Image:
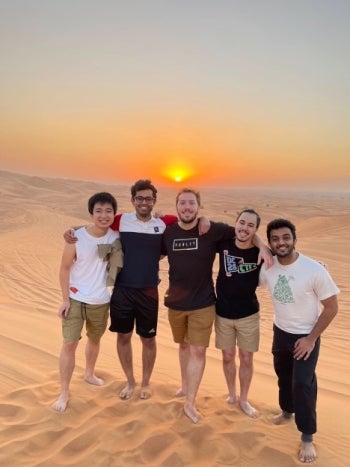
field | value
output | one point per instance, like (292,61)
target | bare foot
(94,380)
(61,403)
(145,392)
(307,452)
(248,409)
(191,412)
(280,419)
(232,399)
(180,393)
(127,391)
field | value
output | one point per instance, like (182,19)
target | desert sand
(99,429)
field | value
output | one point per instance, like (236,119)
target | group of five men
(297,284)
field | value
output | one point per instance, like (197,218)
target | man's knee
(124,338)
(149,342)
(70,347)
(198,351)
(246,358)
(228,355)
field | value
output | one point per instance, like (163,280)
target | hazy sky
(231,93)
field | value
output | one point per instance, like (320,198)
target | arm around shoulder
(265,252)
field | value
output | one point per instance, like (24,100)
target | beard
(287,252)
(188,220)
(244,237)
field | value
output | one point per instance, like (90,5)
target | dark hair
(250,211)
(279,224)
(143,185)
(103,198)
(189,190)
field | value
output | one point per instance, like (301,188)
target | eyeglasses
(141,199)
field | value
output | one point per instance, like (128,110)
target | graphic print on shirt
(236,264)
(282,291)
(185,244)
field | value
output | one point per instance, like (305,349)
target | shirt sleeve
(116,222)
(324,285)
(169,219)
(222,231)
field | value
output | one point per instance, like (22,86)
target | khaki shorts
(96,317)
(243,332)
(193,327)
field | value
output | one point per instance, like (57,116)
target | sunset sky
(233,93)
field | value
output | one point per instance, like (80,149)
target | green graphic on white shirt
(282,292)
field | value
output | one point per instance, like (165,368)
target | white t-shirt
(88,274)
(296,291)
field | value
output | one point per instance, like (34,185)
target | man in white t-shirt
(305,302)
(85,296)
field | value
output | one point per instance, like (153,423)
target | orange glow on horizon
(178,173)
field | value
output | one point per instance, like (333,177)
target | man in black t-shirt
(191,296)
(237,307)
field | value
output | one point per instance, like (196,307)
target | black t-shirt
(237,281)
(191,260)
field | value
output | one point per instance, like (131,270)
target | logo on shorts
(185,244)
(152,331)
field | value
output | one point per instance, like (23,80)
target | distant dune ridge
(99,429)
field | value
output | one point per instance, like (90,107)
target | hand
(266,256)
(303,348)
(63,310)
(203,225)
(69,236)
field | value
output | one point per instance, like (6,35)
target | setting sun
(177,174)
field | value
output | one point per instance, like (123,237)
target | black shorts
(130,305)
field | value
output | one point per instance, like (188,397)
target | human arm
(67,260)
(203,225)
(69,235)
(168,219)
(305,345)
(264,253)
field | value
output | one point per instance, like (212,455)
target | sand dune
(99,429)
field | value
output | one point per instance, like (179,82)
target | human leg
(248,336)
(305,396)
(92,350)
(283,361)
(200,323)
(225,339)
(124,350)
(184,350)
(229,367)
(66,366)
(245,378)
(304,390)
(194,373)
(96,324)
(178,321)
(149,351)
(72,326)
(122,322)
(146,320)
